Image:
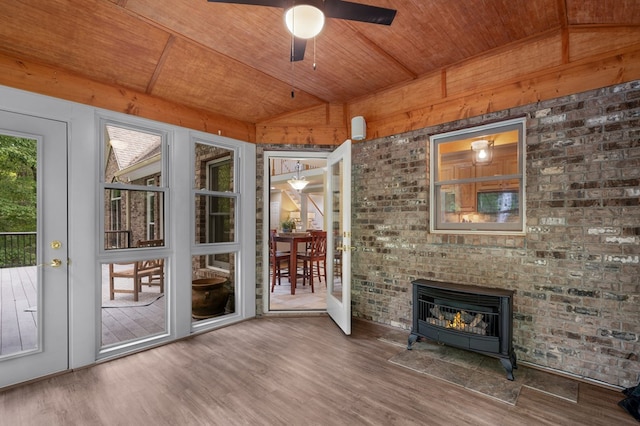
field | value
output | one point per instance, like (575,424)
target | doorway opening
(331,179)
(294,216)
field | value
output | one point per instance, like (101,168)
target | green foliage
(18,167)
(288,224)
(18,250)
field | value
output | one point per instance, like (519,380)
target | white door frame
(345,308)
(51,353)
(267,156)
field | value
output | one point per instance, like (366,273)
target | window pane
(214,219)
(133,302)
(132,156)
(486,202)
(212,287)
(132,216)
(458,198)
(214,168)
(20,293)
(477,178)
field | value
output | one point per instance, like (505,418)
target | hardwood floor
(289,371)
(281,298)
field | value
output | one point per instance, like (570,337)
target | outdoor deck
(120,323)
(18,310)
(18,313)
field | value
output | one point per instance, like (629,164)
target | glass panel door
(339,239)
(33,248)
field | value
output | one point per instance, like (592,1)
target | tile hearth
(477,372)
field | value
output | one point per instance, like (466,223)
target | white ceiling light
(298,182)
(304,20)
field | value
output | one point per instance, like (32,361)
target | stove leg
(506,363)
(412,339)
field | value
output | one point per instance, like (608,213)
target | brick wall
(576,272)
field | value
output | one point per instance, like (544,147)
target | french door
(338,202)
(335,217)
(34,275)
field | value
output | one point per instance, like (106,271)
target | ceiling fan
(305,18)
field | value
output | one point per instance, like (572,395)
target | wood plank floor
(18,309)
(124,324)
(283,371)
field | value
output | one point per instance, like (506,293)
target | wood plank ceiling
(234,59)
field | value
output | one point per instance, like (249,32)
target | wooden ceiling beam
(161,61)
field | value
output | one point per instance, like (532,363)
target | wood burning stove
(469,317)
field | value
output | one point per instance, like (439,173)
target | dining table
(293,239)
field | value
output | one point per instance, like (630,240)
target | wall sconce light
(482,152)
(298,182)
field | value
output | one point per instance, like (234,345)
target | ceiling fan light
(304,21)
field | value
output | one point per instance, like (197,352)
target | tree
(18,177)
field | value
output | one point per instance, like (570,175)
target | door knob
(55,263)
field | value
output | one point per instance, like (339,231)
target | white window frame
(162,187)
(436,222)
(151,201)
(211,263)
(234,247)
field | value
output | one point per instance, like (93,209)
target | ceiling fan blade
(272,3)
(298,45)
(358,12)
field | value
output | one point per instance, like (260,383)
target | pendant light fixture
(482,152)
(298,182)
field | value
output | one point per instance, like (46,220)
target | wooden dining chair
(152,270)
(276,259)
(316,255)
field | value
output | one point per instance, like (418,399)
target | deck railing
(17,249)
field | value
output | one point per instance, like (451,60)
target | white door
(33,290)
(338,204)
